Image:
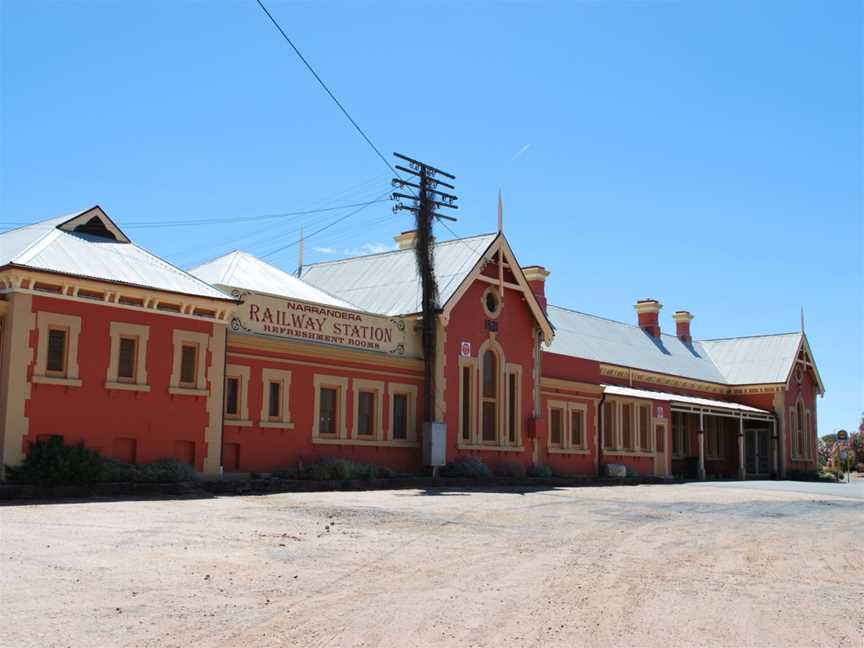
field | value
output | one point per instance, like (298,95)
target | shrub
(53,462)
(165,470)
(470,467)
(341,470)
(512,469)
(117,471)
(540,470)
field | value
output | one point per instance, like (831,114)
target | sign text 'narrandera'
(295,319)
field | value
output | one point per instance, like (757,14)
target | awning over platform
(692,404)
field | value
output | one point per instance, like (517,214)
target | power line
(324,85)
(233,219)
(321,229)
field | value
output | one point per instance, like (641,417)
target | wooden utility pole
(425,203)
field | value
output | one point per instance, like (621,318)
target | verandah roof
(692,403)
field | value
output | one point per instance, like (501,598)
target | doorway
(756,459)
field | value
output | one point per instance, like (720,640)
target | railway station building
(239,366)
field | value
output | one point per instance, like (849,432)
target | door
(756,460)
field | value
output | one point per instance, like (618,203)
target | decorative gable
(94,222)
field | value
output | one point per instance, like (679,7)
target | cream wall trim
(21,280)
(242,373)
(626,373)
(489,448)
(512,369)
(570,385)
(376,387)
(187,391)
(568,408)
(179,338)
(127,387)
(491,344)
(46,321)
(282,376)
(471,365)
(411,426)
(318,365)
(778,448)
(16,355)
(495,282)
(56,380)
(365,442)
(494,291)
(340,384)
(321,352)
(215,403)
(500,245)
(141,334)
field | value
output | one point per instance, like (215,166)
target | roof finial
(500,213)
(300,255)
(802,319)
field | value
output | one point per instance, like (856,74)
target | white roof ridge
(748,337)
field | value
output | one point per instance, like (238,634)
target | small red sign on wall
(465,349)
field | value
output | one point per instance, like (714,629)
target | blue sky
(707,154)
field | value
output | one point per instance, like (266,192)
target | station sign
(292,319)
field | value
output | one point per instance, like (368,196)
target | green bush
(470,467)
(165,470)
(511,469)
(328,469)
(52,462)
(540,470)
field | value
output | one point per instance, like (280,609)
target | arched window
(489,397)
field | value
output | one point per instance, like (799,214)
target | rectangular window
(55,362)
(366,413)
(466,403)
(512,407)
(627,426)
(189,365)
(232,396)
(660,438)
(645,428)
(609,441)
(577,429)
(329,404)
(274,407)
(400,416)
(556,426)
(127,351)
(679,435)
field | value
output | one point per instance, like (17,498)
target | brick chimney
(648,311)
(682,326)
(536,276)
(406,240)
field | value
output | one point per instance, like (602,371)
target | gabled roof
(388,283)
(756,360)
(595,338)
(88,244)
(241,270)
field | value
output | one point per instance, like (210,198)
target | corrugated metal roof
(595,338)
(241,270)
(754,360)
(615,390)
(44,246)
(388,283)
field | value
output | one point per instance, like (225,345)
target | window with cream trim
(329,407)
(189,375)
(368,409)
(403,412)
(237,395)
(276,405)
(127,366)
(567,427)
(57,349)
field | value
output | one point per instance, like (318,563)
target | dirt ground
(671,565)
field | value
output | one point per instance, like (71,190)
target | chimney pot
(648,313)
(682,326)
(406,240)
(536,277)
